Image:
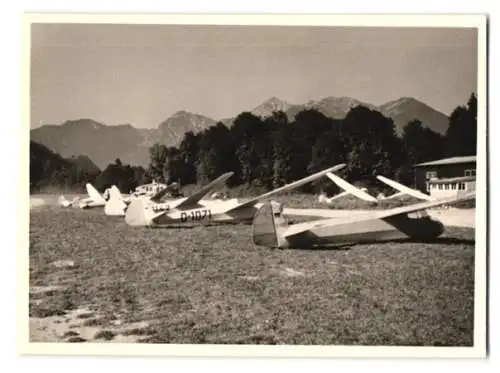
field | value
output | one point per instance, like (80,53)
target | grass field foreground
(212,285)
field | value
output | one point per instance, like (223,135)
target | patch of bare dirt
(71,327)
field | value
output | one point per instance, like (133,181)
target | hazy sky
(142,74)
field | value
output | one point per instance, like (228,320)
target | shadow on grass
(438,240)
(167,227)
(204,225)
(347,247)
(312,248)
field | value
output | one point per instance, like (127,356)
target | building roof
(452,180)
(452,160)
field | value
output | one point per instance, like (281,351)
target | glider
(150,189)
(271,229)
(62,201)
(94,199)
(194,210)
(403,190)
(117,203)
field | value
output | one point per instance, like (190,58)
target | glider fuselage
(371,230)
(142,213)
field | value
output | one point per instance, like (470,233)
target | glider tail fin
(136,213)
(115,206)
(94,194)
(267,226)
(62,201)
(114,192)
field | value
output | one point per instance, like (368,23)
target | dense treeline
(270,152)
(125,177)
(49,169)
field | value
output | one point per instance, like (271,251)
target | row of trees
(270,152)
(125,177)
(49,170)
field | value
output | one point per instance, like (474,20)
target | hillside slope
(48,168)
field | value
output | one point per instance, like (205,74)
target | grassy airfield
(93,278)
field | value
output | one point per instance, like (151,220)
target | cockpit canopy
(418,214)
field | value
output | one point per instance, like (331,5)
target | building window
(471,172)
(446,186)
(453,186)
(461,186)
(431,175)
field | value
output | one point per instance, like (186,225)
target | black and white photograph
(232,182)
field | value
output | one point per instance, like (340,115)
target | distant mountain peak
(83,122)
(272,104)
(124,125)
(172,130)
(334,106)
(406,109)
(405,100)
(340,98)
(182,113)
(344,101)
(274,99)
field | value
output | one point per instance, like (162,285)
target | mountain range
(103,144)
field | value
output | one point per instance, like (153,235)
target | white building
(450,187)
(446,177)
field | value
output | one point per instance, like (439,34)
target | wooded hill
(49,169)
